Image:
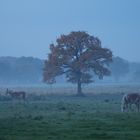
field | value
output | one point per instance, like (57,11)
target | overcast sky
(27,27)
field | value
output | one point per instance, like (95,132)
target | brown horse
(16,94)
(130,99)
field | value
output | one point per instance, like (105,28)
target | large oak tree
(77,55)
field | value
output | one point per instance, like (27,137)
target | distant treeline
(28,70)
(23,70)
(124,71)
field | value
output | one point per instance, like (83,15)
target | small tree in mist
(76,55)
(136,76)
(119,68)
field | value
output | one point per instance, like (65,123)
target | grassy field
(66,117)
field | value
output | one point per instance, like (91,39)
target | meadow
(55,113)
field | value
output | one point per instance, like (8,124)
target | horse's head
(123,108)
(124,104)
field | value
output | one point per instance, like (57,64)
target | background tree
(136,76)
(119,68)
(22,70)
(76,55)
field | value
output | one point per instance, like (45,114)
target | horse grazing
(130,99)
(16,94)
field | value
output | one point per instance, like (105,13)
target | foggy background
(28,27)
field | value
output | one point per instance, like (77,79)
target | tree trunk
(79,89)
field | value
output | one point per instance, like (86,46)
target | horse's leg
(126,107)
(122,107)
(136,109)
(138,106)
(130,106)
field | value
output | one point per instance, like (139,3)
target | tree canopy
(77,55)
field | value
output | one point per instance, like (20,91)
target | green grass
(98,127)
(68,118)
